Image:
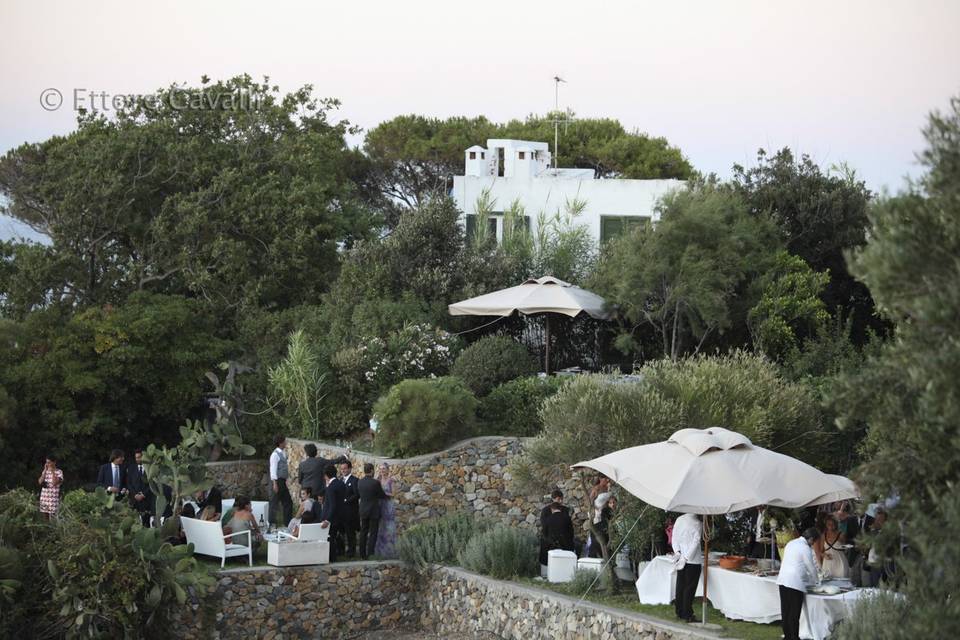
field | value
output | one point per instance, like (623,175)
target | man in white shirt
(687,535)
(797,571)
(280,494)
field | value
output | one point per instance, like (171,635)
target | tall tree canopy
(681,276)
(820,215)
(241,198)
(908,395)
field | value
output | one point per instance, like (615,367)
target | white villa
(519,171)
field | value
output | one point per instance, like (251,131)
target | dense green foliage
(819,216)
(681,277)
(502,552)
(513,408)
(422,415)
(94,572)
(438,540)
(240,206)
(85,382)
(490,361)
(907,393)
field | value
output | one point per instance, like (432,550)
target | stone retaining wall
(236,477)
(472,476)
(347,599)
(457,603)
(325,601)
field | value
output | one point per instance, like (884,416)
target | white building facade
(518,171)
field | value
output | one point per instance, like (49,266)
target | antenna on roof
(556,118)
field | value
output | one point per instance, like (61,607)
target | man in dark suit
(351,507)
(332,513)
(310,471)
(141,498)
(112,476)
(371,493)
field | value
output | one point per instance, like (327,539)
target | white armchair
(313,532)
(208,539)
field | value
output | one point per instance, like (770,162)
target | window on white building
(613,226)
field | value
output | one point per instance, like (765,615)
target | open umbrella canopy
(716,471)
(540,295)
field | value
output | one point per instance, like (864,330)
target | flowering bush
(415,351)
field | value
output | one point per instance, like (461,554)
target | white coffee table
(289,553)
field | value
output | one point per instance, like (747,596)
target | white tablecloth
(742,596)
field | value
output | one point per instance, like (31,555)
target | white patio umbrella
(716,471)
(538,295)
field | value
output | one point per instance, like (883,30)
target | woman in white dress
(830,551)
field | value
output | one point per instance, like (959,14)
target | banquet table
(743,596)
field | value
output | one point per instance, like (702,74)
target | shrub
(513,408)
(82,505)
(438,541)
(419,416)
(93,572)
(502,552)
(875,618)
(492,360)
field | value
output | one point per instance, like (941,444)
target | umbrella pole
(546,364)
(706,565)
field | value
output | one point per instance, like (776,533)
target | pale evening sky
(845,81)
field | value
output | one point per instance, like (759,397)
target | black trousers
(791,604)
(687,580)
(335,539)
(350,526)
(280,499)
(369,528)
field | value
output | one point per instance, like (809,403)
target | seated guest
(186,512)
(556,527)
(307,504)
(209,514)
(829,551)
(306,518)
(243,520)
(211,497)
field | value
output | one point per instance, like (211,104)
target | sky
(846,81)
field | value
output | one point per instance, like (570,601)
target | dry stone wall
(236,477)
(472,476)
(323,601)
(348,600)
(457,603)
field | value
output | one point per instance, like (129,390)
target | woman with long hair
(387,534)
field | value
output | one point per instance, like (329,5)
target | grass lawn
(627,600)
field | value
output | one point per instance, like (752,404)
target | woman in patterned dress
(50,480)
(387,534)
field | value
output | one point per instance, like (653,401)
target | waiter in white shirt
(687,536)
(280,494)
(797,571)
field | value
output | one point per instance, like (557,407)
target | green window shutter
(471,224)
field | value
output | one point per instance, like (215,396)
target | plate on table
(826,590)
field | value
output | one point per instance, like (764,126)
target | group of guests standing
(355,509)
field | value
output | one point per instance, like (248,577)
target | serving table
(741,595)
